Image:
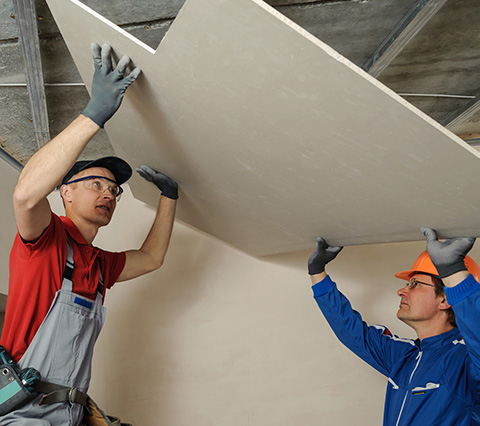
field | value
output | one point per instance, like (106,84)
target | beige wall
(8,179)
(217,337)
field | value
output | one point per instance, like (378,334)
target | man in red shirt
(58,278)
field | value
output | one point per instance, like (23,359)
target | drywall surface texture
(274,137)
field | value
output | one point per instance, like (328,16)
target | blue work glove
(448,256)
(168,186)
(321,256)
(108,86)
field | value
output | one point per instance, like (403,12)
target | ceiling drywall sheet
(8,180)
(275,138)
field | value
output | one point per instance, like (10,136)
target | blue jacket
(433,382)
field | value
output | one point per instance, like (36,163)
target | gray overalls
(62,351)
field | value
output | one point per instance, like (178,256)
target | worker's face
(88,204)
(420,303)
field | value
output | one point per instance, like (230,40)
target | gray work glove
(448,256)
(108,86)
(321,256)
(168,186)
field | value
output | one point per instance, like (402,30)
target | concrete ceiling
(426,50)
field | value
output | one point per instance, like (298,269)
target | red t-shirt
(36,274)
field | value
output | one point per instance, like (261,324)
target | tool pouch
(16,386)
(13,394)
(96,417)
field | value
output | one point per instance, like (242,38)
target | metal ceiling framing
(398,39)
(26,19)
(5,156)
(461,116)
(411,24)
(400,36)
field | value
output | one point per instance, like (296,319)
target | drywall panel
(8,180)
(274,137)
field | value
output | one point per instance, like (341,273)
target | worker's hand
(321,256)
(108,86)
(165,184)
(448,256)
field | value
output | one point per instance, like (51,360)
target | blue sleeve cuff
(461,291)
(322,287)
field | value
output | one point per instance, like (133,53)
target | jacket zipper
(419,357)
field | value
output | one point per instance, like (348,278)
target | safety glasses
(413,282)
(100,184)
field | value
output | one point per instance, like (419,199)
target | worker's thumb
(429,233)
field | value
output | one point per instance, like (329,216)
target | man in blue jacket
(435,379)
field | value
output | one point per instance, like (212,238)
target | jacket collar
(439,340)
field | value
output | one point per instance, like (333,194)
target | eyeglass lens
(412,283)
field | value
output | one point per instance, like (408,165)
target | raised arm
(374,344)
(152,253)
(461,288)
(44,171)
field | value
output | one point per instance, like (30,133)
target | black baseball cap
(120,168)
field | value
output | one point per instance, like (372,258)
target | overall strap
(100,284)
(69,267)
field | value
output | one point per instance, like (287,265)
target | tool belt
(93,416)
(54,393)
(18,387)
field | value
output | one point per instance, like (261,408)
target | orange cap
(423,264)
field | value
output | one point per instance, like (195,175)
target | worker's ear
(443,305)
(66,193)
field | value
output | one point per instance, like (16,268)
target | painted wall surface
(217,337)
